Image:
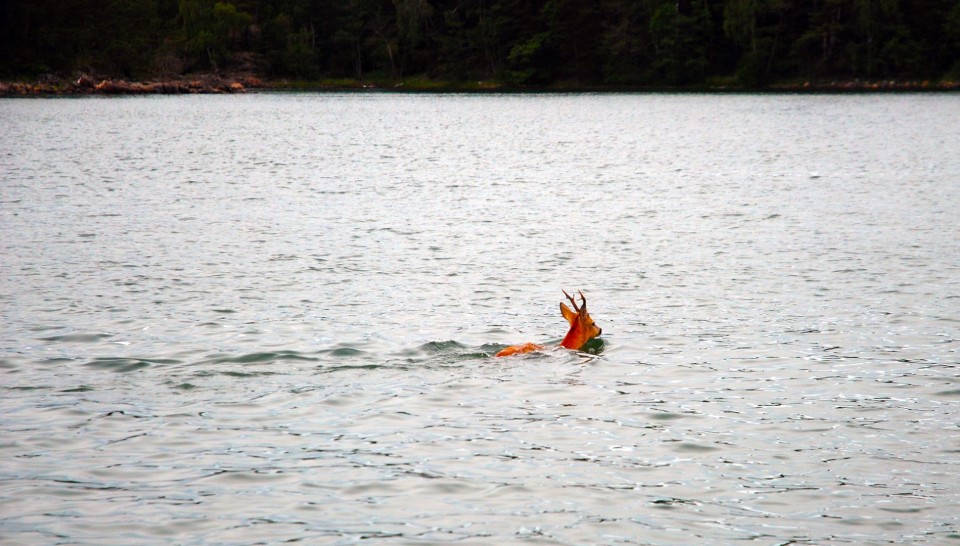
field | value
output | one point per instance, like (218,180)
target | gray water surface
(267,318)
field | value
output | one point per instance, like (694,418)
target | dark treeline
(523,42)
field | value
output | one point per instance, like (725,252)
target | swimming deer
(582,329)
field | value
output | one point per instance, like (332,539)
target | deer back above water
(582,328)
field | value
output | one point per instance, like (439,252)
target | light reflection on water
(270,317)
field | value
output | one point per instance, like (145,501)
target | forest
(747,43)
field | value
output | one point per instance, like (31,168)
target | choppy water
(269,318)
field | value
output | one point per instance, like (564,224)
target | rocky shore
(87,85)
(865,86)
(215,84)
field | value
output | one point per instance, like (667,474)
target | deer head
(582,327)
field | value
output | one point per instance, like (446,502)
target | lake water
(268,318)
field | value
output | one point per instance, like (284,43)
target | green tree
(519,51)
(626,46)
(300,55)
(465,41)
(680,42)
(528,61)
(127,37)
(197,25)
(760,29)
(951,31)
(211,30)
(882,44)
(574,32)
(230,26)
(413,26)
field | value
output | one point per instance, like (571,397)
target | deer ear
(567,313)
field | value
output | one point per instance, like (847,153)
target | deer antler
(582,328)
(573,301)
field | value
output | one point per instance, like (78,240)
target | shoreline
(85,85)
(52,86)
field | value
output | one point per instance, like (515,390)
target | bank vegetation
(165,45)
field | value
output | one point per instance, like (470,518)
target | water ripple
(272,318)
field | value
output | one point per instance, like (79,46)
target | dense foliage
(611,42)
